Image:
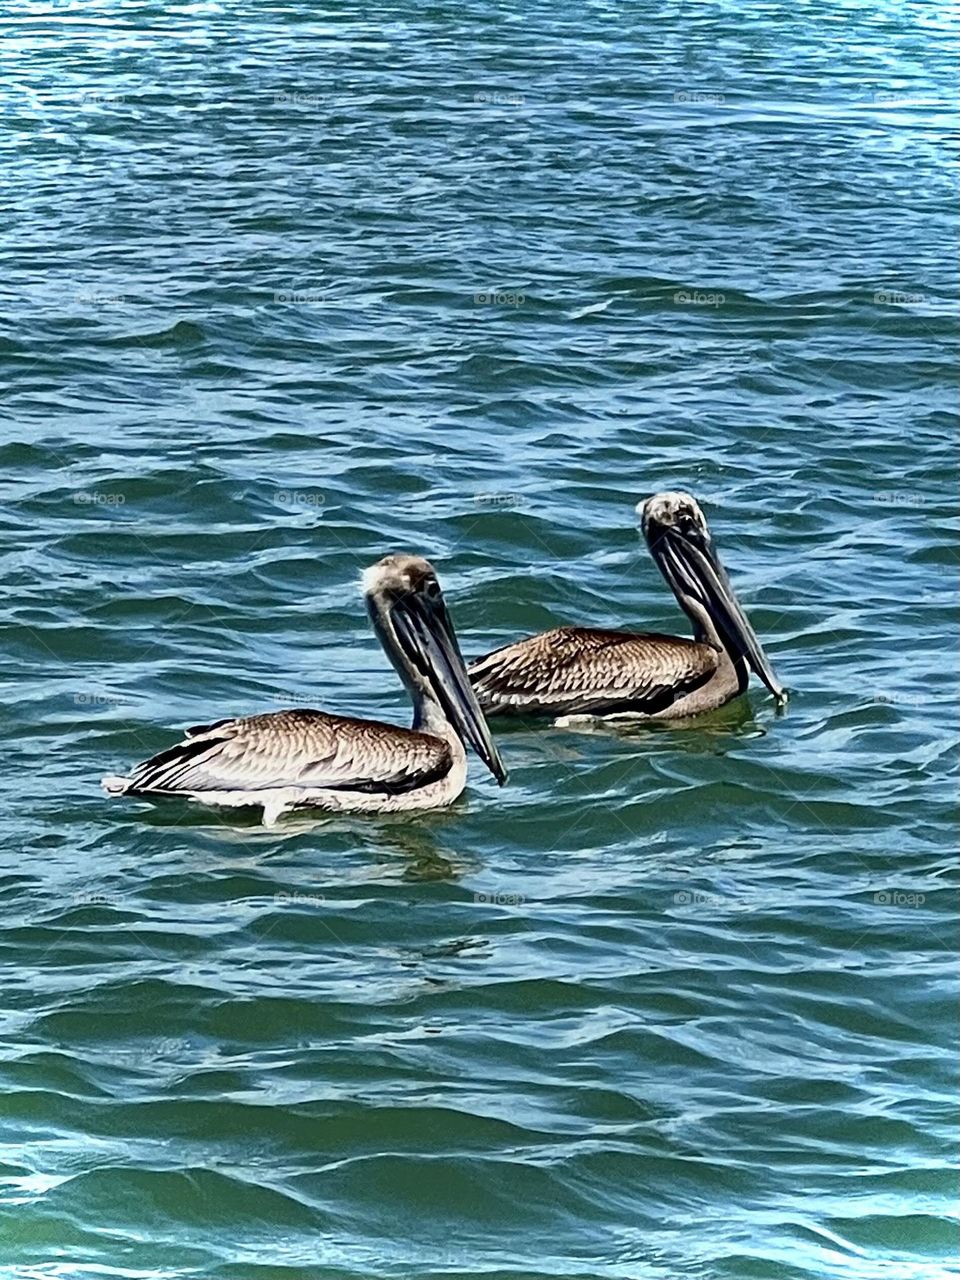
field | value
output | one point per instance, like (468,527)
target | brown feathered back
(581,670)
(301,748)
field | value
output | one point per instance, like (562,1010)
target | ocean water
(287,287)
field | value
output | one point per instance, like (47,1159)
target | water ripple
(291,289)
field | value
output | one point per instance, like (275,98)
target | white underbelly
(279,800)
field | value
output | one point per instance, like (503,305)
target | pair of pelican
(305,759)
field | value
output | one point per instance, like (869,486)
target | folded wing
(299,748)
(578,670)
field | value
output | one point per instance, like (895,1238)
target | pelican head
(410,617)
(679,540)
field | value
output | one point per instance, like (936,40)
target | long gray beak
(699,572)
(428,639)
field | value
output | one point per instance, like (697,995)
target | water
(287,289)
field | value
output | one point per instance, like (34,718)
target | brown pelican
(309,759)
(576,672)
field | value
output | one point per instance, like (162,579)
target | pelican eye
(431,589)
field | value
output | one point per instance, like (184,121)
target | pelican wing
(576,669)
(298,748)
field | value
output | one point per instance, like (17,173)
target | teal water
(285,288)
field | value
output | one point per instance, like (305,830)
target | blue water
(285,289)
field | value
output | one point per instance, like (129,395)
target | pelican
(308,759)
(578,673)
